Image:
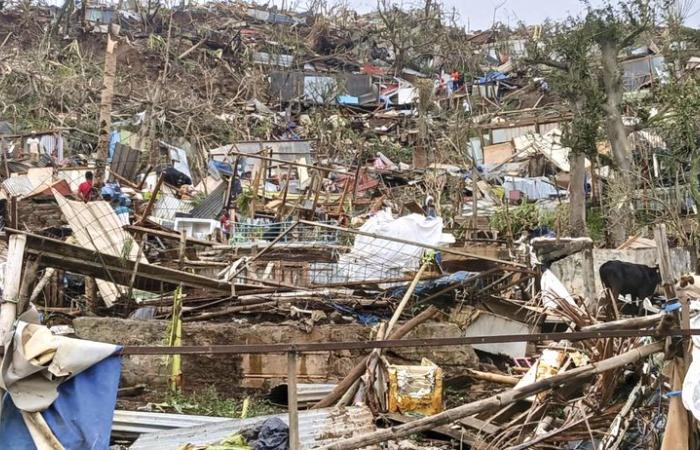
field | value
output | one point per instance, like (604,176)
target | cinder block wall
(230,372)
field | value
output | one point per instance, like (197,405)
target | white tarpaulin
(37,361)
(691,383)
(552,289)
(372,259)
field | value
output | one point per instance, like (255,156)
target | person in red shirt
(85,190)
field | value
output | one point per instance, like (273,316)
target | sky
(479,14)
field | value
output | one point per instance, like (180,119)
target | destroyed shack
(236,226)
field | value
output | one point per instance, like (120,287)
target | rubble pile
(363,218)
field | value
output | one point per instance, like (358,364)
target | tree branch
(548,62)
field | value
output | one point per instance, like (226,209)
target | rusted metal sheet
(317,427)
(125,162)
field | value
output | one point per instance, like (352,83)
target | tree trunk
(617,135)
(577,194)
(612,83)
(105,121)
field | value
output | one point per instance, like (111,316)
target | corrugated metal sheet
(316,427)
(168,205)
(306,393)
(52,144)
(125,162)
(549,126)
(290,151)
(501,135)
(17,186)
(212,205)
(273,60)
(131,424)
(286,86)
(272,17)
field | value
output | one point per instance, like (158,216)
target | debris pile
(364,219)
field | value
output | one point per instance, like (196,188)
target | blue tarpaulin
(221,167)
(81,416)
(492,77)
(363,318)
(430,286)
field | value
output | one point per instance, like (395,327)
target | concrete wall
(230,372)
(569,270)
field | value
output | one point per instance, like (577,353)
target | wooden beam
(499,400)
(58,254)
(292,401)
(13,279)
(152,201)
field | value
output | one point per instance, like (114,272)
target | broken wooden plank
(460,436)
(499,400)
(149,277)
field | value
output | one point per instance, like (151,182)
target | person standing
(86,190)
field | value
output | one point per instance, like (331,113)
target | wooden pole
(591,301)
(292,401)
(404,300)
(151,201)
(48,273)
(493,377)
(626,324)
(360,368)
(283,205)
(13,280)
(495,401)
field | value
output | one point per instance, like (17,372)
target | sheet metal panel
(125,162)
(168,205)
(317,427)
(17,186)
(212,205)
(501,135)
(318,87)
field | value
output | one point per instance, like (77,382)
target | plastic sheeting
(81,416)
(71,383)
(37,362)
(552,288)
(373,258)
(691,383)
(536,188)
(429,286)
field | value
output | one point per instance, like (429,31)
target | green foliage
(393,151)
(209,402)
(243,200)
(680,126)
(595,223)
(524,217)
